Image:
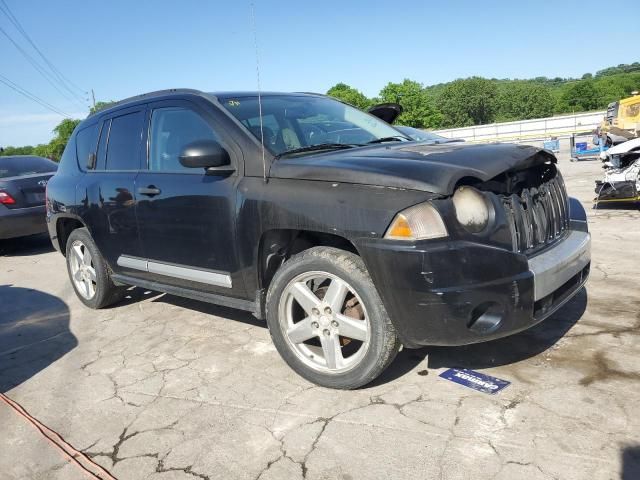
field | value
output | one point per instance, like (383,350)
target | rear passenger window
(86,143)
(125,135)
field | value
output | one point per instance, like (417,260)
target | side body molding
(199,275)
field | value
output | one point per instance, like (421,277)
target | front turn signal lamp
(420,222)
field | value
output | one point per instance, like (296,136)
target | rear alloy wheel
(327,320)
(83,273)
(88,272)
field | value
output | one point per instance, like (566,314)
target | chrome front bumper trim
(557,266)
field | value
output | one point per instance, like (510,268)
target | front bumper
(20,222)
(458,293)
(557,266)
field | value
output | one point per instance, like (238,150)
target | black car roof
(168,93)
(254,93)
(147,96)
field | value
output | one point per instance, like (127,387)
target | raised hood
(430,168)
(387,112)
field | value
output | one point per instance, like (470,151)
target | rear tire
(88,272)
(327,320)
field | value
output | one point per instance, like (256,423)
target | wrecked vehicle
(348,238)
(621,182)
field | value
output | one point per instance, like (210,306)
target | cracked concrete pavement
(163,388)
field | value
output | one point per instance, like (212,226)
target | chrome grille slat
(549,212)
(565,200)
(561,211)
(556,208)
(537,216)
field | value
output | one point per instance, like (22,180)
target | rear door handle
(150,191)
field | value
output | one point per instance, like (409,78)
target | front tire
(88,272)
(327,320)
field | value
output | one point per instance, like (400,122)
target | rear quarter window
(86,144)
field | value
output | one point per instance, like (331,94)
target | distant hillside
(476,100)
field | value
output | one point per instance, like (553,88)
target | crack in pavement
(160,468)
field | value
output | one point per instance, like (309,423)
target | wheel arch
(278,245)
(64,226)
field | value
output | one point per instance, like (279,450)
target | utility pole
(93,96)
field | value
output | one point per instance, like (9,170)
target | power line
(37,66)
(31,96)
(62,79)
(16,23)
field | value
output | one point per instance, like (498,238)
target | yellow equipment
(622,120)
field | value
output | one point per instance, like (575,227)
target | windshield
(293,122)
(17,166)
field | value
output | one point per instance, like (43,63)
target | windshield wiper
(320,146)
(397,138)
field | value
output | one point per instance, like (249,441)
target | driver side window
(172,129)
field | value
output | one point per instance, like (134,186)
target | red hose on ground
(82,461)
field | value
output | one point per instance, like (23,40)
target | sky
(122,48)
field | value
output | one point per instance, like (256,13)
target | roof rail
(145,96)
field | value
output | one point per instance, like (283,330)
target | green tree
(54,148)
(581,96)
(469,101)
(622,68)
(349,95)
(523,100)
(614,87)
(417,106)
(62,133)
(44,150)
(101,106)
(10,151)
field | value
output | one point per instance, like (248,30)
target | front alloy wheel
(327,320)
(324,321)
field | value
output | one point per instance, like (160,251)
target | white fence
(535,129)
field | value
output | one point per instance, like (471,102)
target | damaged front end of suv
(496,247)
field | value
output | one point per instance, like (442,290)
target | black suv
(350,239)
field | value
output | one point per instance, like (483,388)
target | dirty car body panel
(463,288)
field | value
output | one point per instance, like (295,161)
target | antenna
(255,41)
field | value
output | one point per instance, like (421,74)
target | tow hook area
(486,317)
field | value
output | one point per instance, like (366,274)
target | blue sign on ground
(476,380)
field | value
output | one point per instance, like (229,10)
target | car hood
(621,148)
(417,166)
(387,112)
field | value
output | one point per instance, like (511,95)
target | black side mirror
(204,154)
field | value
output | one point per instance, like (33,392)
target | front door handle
(150,191)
